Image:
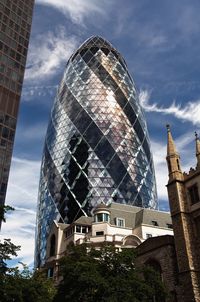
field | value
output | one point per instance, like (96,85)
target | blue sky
(160,43)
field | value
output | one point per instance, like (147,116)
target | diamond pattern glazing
(97,146)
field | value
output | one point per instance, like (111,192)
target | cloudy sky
(160,43)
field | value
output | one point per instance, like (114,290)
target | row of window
(25,5)
(12,54)
(7,133)
(77,229)
(9,101)
(155,223)
(11,63)
(14,26)
(10,84)
(11,74)
(13,41)
(16,14)
(11,34)
(104,217)
(7,120)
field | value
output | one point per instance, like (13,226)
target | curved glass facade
(97,146)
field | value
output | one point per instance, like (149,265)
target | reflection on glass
(97,147)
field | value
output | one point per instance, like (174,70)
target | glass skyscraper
(15,26)
(97,146)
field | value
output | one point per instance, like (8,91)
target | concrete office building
(15,26)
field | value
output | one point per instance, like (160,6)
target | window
(169,225)
(169,166)
(154,222)
(99,217)
(148,236)
(69,232)
(82,229)
(78,228)
(101,233)
(52,245)
(120,222)
(50,272)
(178,165)
(102,217)
(194,194)
(155,265)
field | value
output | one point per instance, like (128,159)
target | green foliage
(7,251)
(3,210)
(106,275)
(7,248)
(21,285)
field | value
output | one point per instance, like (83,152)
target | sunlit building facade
(15,26)
(97,146)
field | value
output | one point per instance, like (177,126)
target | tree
(21,285)
(3,210)
(106,275)
(7,248)
(24,286)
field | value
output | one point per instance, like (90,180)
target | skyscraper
(97,146)
(15,25)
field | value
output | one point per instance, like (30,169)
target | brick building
(178,259)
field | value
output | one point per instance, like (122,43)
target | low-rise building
(120,225)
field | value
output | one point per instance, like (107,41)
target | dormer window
(154,222)
(194,194)
(102,217)
(78,229)
(83,229)
(120,222)
(169,225)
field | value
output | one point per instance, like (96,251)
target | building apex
(173,158)
(171,148)
(197,149)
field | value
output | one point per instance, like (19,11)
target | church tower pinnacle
(197,150)
(173,158)
(183,193)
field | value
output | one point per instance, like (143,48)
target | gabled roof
(62,226)
(84,220)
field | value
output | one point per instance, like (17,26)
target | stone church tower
(183,192)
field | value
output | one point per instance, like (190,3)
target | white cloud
(23,183)
(20,227)
(77,10)
(190,112)
(38,92)
(31,134)
(22,195)
(47,53)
